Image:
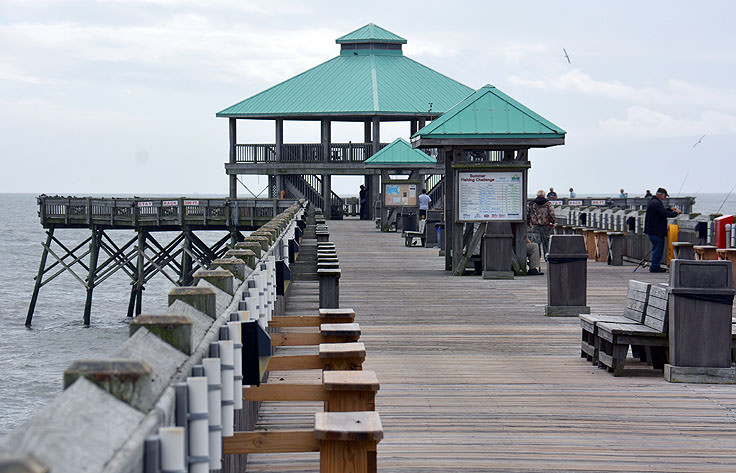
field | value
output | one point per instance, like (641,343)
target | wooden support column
(422,123)
(185,278)
(93,256)
(449,207)
(232,125)
(39,277)
(374,179)
(140,284)
(367,131)
(327,195)
(279,138)
(412,127)
(325,132)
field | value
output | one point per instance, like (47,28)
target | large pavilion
(371,81)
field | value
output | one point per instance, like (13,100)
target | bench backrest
(657,308)
(636,301)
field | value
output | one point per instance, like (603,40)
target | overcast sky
(120,96)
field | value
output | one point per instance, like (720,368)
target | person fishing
(655,226)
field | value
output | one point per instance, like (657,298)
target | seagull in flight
(566,56)
(700,140)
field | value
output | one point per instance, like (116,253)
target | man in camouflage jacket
(540,217)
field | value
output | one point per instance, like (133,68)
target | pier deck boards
(475,378)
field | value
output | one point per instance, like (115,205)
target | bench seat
(614,338)
(634,311)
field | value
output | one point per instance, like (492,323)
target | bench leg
(657,356)
(619,359)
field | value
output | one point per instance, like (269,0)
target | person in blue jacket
(655,226)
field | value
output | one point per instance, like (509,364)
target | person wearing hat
(655,226)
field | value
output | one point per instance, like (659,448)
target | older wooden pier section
(475,378)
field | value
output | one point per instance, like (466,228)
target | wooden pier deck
(475,378)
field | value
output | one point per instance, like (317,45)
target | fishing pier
(303,340)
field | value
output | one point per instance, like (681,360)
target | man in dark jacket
(655,226)
(540,217)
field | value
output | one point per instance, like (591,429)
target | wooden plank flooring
(475,378)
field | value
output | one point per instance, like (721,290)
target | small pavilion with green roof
(370,81)
(487,131)
(400,158)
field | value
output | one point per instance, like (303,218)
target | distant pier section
(159,214)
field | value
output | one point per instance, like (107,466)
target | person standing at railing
(655,226)
(540,217)
(572,193)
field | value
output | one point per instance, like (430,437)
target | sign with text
(574,202)
(490,195)
(556,203)
(191,202)
(598,202)
(169,203)
(145,204)
(397,194)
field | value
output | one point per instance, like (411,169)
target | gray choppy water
(33,360)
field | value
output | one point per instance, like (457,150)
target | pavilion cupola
(370,39)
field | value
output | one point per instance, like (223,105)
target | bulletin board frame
(406,191)
(490,194)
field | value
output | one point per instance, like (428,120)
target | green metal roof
(365,82)
(370,33)
(399,153)
(489,113)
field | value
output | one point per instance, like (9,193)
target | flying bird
(566,56)
(700,140)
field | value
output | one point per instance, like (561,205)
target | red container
(719,238)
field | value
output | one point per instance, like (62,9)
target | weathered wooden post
(705,252)
(498,251)
(616,248)
(567,274)
(329,288)
(201,298)
(247,255)
(126,379)
(254,246)
(701,301)
(220,278)
(729,254)
(236,266)
(174,329)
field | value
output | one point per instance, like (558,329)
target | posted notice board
(399,195)
(490,196)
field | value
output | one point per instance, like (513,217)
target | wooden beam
(286,392)
(295,362)
(287,441)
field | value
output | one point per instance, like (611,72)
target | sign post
(400,196)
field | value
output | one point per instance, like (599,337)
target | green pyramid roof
(356,84)
(370,33)
(489,114)
(399,153)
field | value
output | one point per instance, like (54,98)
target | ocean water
(33,360)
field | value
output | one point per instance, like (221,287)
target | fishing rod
(641,263)
(724,200)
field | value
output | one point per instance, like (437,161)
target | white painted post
(227,375)
(214,400)
(172,449)
(199,445)
(728,235)
(236,337)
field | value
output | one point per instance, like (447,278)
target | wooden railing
(304,153)
(142,212)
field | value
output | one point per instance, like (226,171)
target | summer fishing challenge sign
(490,195)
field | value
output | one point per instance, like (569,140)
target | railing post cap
(191,291)
(212,273)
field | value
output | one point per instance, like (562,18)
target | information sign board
(598,202)
(574,202)
(490,196)
(397,194)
